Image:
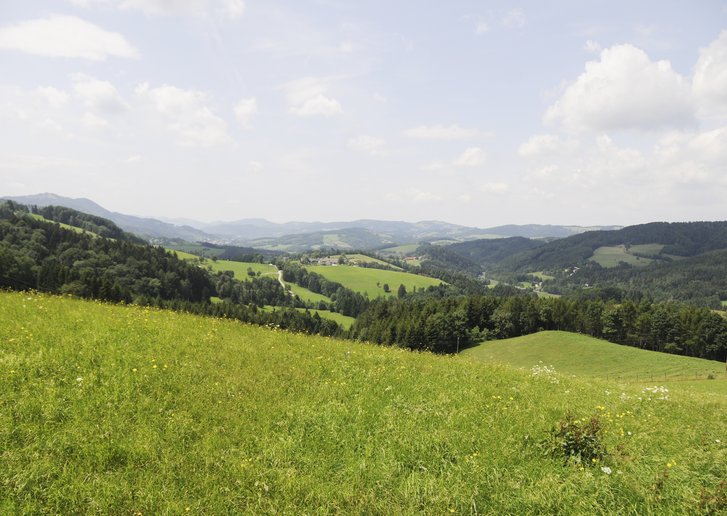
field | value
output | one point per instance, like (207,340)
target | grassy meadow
(123,409)
(611,256)
(371,281)
(576,354)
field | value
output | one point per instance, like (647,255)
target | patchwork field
(126,410)
(611,256)
(371,281)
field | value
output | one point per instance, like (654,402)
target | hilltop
(121,409)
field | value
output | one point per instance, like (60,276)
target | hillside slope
(573,353)
(120,409)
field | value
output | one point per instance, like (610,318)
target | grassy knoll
(198,249)
(573,353)
(123,409)
(118,410)
(307,295)
(611,256)
(365,280)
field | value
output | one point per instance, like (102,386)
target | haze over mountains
(296,236)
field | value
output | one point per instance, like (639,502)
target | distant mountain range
(301,236)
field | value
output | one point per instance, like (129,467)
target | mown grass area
(573,353)
(198,249)
(122,409)
(611,256)
(371,281)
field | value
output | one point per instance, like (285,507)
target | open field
(573,353)
(365,280)
(611,256)
(652,249)
(122,409)
(238,268)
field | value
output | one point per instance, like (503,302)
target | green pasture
(238,268)
(573,353)
(611,256)
(307,295)
(354,259)
(129,410)
(371,281)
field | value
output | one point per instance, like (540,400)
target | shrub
(577,439)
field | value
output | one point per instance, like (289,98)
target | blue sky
(479,113)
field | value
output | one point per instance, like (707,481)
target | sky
(472,112)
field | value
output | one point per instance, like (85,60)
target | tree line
(442,324)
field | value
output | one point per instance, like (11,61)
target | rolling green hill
(371,281)
(123,409)
(573,353)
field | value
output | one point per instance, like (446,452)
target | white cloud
(233,8)
(471,157)
(309,97)
(495,188)
(481,27)
(229,8)
(94,121)
(186,115)
(53,96)
(445,133)
(65,36)
(370,144)
(97,94)
(320,105)
(710,75)
(593,47)
(545,145)
(423,195)
(624,90)
(245,110)
(514,19)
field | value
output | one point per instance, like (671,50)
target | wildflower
(606,470)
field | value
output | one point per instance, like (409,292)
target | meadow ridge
(120,409)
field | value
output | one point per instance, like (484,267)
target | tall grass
(121,410)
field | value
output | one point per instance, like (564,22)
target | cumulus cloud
(370,144)
(53,96)
(514,19)
(624,89)
(95,121)
(495,188)
(230,8)
(471,157)
(186,114)
(445,133)
(545,145)
(710,75)
(97,94)
(245,110)
(309,97)
(65,36)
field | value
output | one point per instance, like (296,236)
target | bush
(577,440)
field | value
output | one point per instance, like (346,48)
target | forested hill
(679,239)
(488,251)
(91,223)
